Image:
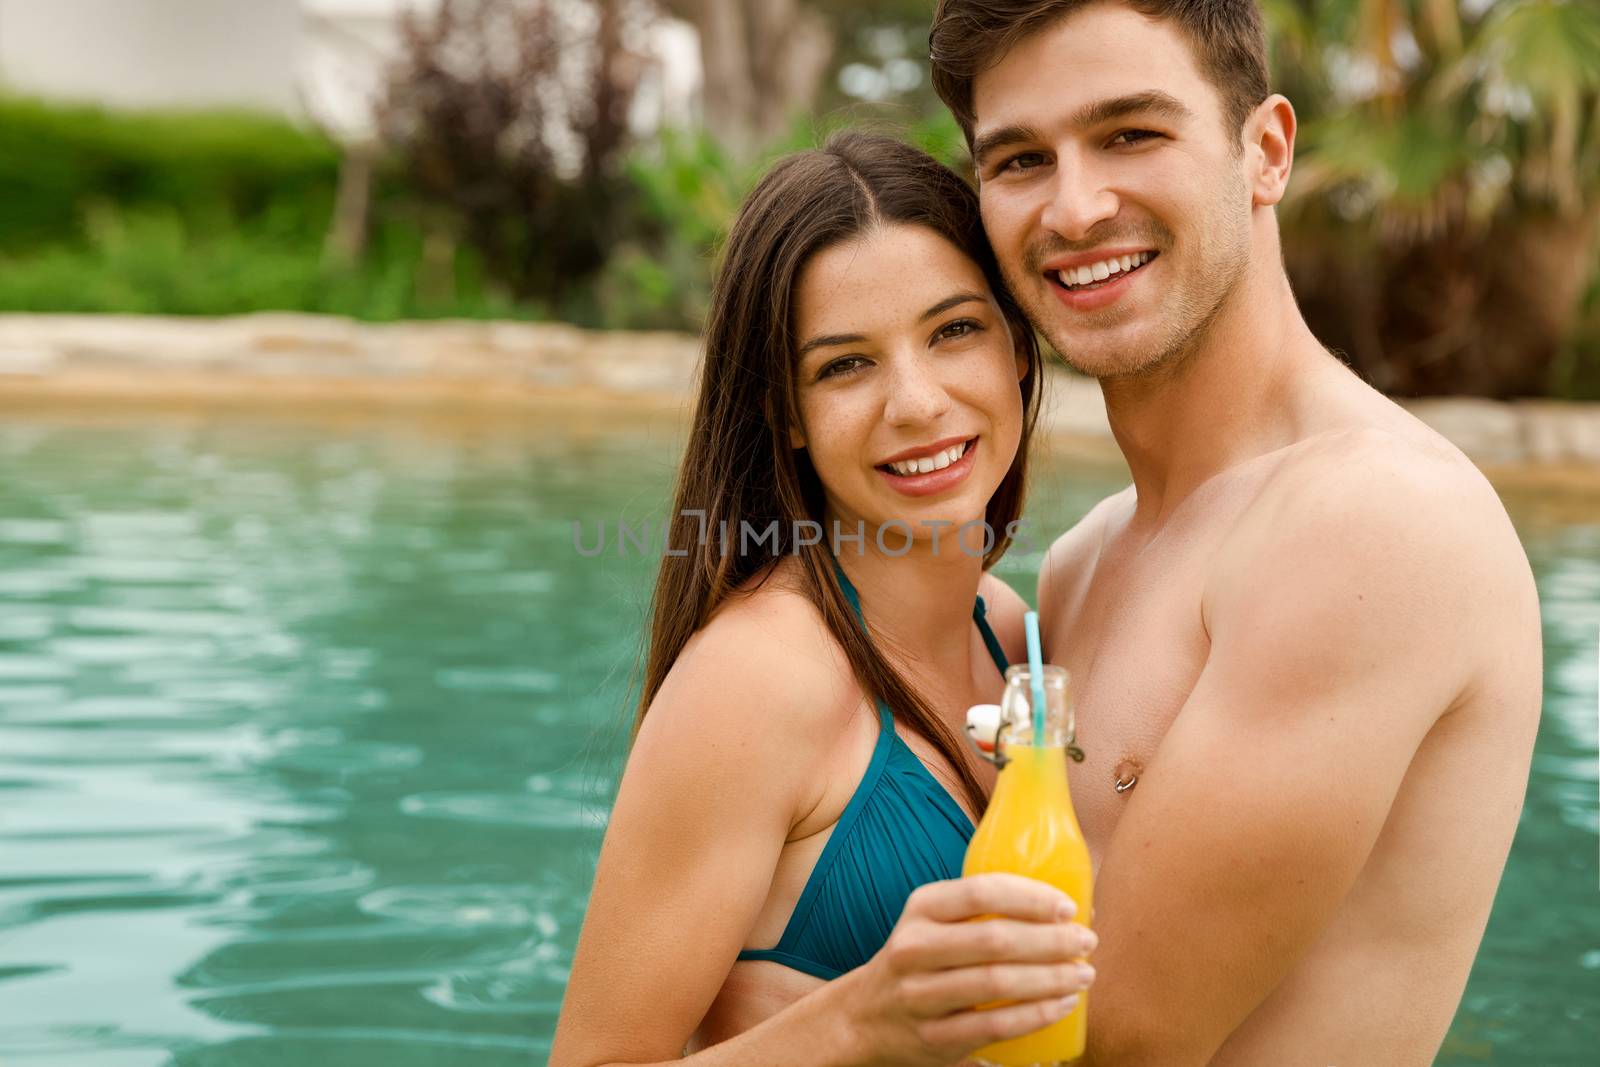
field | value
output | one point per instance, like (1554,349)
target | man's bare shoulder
(1346,481)
(1399,528)
(1069,562)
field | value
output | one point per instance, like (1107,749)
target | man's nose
(916,395)
(1080,200)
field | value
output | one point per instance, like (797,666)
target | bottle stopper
(983,723)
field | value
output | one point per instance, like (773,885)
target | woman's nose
(916,395)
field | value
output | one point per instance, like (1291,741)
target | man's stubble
(1189,307)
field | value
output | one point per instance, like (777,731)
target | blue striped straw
(1030,623)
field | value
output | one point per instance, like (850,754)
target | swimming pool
(306,727)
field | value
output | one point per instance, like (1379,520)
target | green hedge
(201,213)
(56,161)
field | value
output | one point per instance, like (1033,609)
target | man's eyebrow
(1150,102)
(949,302)
(829,339)
(995,139)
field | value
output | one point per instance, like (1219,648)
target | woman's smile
(931,469)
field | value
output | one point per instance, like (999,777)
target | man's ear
(1269,149)
(1019,350)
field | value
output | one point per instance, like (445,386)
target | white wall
(322,59)
(166,53)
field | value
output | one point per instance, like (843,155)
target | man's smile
(1088,286)
(1080,275)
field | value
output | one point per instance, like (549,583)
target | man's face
(1115,198)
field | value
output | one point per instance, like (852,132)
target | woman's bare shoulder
(765,663)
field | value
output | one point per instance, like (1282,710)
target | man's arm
(1344,620)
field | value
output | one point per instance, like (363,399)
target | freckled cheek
(837,430)
(1007,421)
(992,389)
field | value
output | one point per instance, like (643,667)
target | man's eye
(1024,161)
(846,365)
(1134,136)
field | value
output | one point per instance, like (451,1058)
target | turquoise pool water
(306,730)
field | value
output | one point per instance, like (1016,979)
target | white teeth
(937,461)
(1099,272)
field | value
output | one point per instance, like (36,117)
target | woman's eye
(846,365)
(959,328)
(1134,136)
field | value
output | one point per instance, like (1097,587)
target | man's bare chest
(1134,645)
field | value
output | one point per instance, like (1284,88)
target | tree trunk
(347,234)
(762,62)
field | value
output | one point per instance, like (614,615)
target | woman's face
(907,385)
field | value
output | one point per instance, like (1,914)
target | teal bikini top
(900,830)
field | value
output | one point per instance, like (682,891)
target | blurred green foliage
(687,188)
(1443,222)
(205,213)
(205,166)
(1442,232)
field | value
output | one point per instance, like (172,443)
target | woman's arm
(731,753)
(914,1003)
(728,758)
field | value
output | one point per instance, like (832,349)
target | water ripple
(465,905)
(521,987)
(293,876)
(347,1047)
(24,666)
(492,679)
(33,531)
(518,809)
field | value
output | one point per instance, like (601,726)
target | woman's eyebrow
(830,339)
(949,302)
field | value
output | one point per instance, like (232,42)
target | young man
(1305,641)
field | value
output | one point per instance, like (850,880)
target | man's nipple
(1127,774)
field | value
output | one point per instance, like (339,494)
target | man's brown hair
(970,36)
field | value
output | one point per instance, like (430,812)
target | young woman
(780,879)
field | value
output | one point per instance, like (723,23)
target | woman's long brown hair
(739,466)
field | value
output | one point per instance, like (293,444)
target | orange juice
(1030,829)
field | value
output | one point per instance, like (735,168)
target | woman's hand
(913,1004)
